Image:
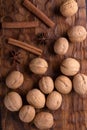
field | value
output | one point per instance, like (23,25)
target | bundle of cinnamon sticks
(31,7)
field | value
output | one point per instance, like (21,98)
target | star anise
(42,38)
(14,57)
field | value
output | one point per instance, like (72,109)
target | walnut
(44,120)
(13,101)
(27,113)
(61,46)
(14,80)
(70,66)
(63,84)
(54,100)
(46,84)
(36,98)
(77,33)
(68,8)
(38,66)
(80,84)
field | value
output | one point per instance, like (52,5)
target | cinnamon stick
(20,24)
(38,13)
(25,46)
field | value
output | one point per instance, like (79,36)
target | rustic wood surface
(73,113)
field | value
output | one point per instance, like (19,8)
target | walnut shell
(44,120)
(68,8)
(63,84)
(36,98)
(27,113)
(61,46)
(46,84)
(80,84)
(70,66)
(14,80)
(38,66)
(77,33)
(54,100)
(13,101)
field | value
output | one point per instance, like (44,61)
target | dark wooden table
(73,113)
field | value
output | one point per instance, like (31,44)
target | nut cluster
(52,89)
(36,98)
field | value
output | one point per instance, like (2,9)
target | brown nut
(36,98)
(46,84)
(80,84)
(61,46)
(14,80)
(63,84)
(44,120)
(38,66)
(70,66)
(27,113)
(77,33)
(13,101)
(54,100)
(68,8)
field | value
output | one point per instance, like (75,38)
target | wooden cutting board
(73,113)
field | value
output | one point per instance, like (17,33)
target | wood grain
(73,113)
